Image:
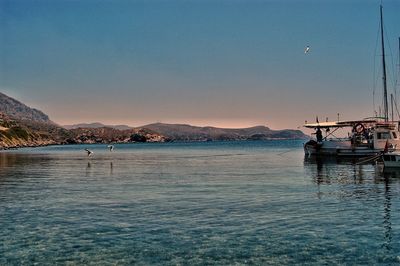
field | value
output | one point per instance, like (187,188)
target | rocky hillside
(181,132)
(21,126)
(17,133)
(19,111)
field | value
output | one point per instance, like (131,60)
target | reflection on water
(387,224)
(330,169)
(342,172)
(214,203)
(7,160)
(14,165)
(325,170)
(389,173)
(88,168)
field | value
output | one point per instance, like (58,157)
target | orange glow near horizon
(223,123)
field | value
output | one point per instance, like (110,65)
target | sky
(221,63)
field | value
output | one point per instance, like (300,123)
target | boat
(365,137)
(391,160)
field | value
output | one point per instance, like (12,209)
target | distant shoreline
(22,126)
(132,143)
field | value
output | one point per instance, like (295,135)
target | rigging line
(398,73)
(374,81)
(281,153)
(390,55)
(397,110)
(370,159)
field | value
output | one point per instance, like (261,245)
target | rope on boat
(370,159)
(281,153)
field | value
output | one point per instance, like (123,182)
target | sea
(201,203)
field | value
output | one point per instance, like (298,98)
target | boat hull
(391,160)
(338,148)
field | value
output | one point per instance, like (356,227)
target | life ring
(359,128)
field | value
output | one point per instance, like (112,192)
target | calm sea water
(195,203)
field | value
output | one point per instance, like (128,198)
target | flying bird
(89,152)
(307,49)
(110,147)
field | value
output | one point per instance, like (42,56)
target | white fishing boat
(364,137)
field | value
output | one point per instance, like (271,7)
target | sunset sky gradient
(221,63)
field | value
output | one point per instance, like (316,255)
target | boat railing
(337,139)
(390,126)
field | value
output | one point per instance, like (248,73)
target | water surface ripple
(195,203)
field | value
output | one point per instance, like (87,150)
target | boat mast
(385,99)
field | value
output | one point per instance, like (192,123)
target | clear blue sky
(222,63)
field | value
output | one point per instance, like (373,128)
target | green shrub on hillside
(18,132)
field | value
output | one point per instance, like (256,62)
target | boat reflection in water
(331,169)
(371,185)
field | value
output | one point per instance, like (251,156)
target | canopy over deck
(349,123)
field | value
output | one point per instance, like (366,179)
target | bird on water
(89,152)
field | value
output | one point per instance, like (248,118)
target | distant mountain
(17,110)
(98,132)
(96,125)
(182,132)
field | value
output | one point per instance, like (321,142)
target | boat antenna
(385,100)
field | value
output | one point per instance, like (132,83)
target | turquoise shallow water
(195,203)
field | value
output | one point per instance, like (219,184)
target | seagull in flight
(89,152)
(307,49)
(110,147)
